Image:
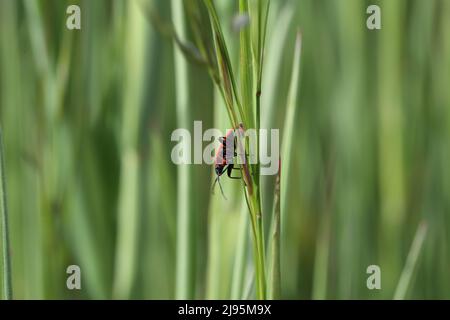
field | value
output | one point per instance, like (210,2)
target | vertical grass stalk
(251,74)
(185,221)
(288,134)
(411,262)
(6,257)
(129,206)
(275,274)
(258,65)
(237,285)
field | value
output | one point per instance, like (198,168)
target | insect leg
(230,169)
(217,180)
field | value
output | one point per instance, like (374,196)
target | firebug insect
(224,158)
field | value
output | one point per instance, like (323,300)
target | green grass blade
(261,16)
(272,84)
(229,86)
(392,133)
(282,183)
(6,257)
(37,37)
(289,127)
(246,66)
(411,262)
(185,269)
(275,272)
(129,205)
(321,262)
(286,149)
(239,268)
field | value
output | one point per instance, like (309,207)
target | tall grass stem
(289,129)
(6,256)
(185,220)
(411,262)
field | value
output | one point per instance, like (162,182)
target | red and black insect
(224,158)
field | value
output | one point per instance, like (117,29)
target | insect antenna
(217,180)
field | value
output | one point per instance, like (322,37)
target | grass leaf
(129,205)
(6,256)
(226,70)
(185,270)
(289,127)
(275,272)
(239,268)
(411,262)
(246,67)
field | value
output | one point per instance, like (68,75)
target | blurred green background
(87,116)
